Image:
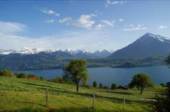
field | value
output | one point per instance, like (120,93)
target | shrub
(168,84)
(122,87)
(41,78)
(6,73)
(94,84)
(21,75)
(113,86)
(100,85)
(163,84)
(58,80)
(32,77)
(105,87)
(162,103)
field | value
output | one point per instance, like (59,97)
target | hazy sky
(80,24)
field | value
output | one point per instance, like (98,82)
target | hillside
(22,95)
(48,60)
(148,45)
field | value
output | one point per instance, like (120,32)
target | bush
(94,84)
(58,80)
(6,73)
(100,85)
(168,84)
(21,75)
(162,103)
(32,77)
(113,86)
(28,76)
(162,84)
(122,87)
(105,87)
(41,78)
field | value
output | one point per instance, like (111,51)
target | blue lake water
(107,76)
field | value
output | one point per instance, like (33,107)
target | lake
(107,75)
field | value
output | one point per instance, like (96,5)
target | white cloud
(99,26)
(50,12)
(90,40)
(161,27)
(65,20)
(108,23)
(11,27)
(85,21)
(103,24)
(114,2)
(133,27)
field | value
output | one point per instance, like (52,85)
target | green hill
(23,95)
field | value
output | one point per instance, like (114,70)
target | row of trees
(76,71)
(100,85)
(8,73)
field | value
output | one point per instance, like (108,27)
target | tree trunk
(141,90)
(77,85)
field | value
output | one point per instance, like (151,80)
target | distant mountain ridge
(148,45)
(71,53)
(47,59)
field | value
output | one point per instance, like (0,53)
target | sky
(80,24)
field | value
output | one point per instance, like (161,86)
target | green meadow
(25,95)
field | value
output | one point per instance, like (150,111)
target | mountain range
(148,49)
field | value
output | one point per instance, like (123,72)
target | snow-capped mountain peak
(156,37)
(148,45)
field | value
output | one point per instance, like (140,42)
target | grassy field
(22,95)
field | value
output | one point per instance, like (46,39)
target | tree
(94,84)
(167,60)
(140,81)
(162,103)
(76,70)
(113,86)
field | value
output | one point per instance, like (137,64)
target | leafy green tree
(140,81)
(76,70)
(94,84)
